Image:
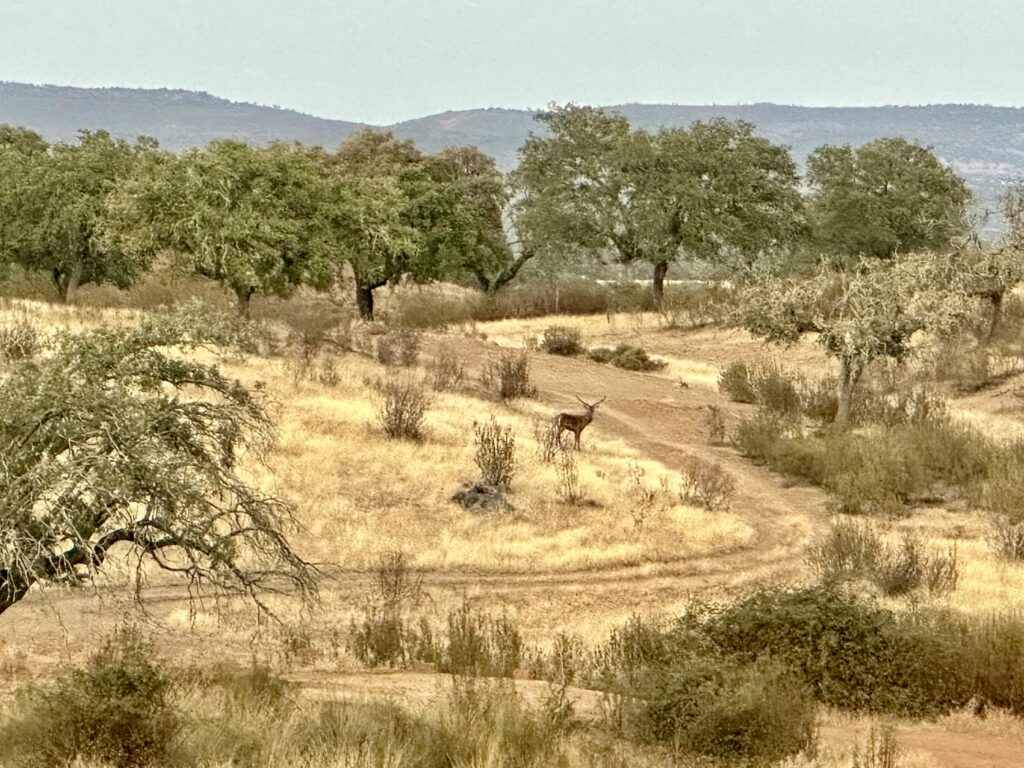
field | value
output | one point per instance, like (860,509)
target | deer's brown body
(576,422)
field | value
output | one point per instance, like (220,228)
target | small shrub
(480,644)
(562,340)
(706,484)
(19,340)
(545,432)
(395,583)
(777,391)
(509,376)
(716,425)
(495,453)
(855,550)
(448,371)
(640,498)
(1007,537)
(380,639)
(399,348)
(116,711)
(880,750)
(402,408)
(569,488)
(736,382)
(849,549)
(627,357)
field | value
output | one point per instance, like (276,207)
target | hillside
(984,144)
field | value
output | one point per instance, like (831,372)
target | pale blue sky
(386,60)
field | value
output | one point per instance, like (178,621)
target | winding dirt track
(665,422)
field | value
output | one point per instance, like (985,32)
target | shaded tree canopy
(711,191)
(53,202)
(114,437)
(241,215)
(889,196)
(481,237)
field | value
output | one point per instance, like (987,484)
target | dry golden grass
(360,493)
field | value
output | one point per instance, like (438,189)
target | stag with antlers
(576,422)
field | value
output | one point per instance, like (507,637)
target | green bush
(735,381)
(628,357)
(850,653)
(758,713)
(562,340)
(116,711)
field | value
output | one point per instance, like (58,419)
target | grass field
(632,545)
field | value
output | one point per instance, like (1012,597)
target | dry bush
(508,376)
(1007,537)
(640,499)
(549,445)
(399,348)
(706,484)
(20,339)
(447,371)
(880,749)
(495,453)
(716,426)
(569,488)
(852,550)
(402,407)
(693,307)
(395,582)
(562,340)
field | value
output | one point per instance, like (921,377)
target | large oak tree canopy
(889,196)
(53,203)
(712,191)
(115,437)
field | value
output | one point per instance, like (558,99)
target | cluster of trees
(265,220)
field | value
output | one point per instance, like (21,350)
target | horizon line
(533,110)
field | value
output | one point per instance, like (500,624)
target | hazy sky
(386,60)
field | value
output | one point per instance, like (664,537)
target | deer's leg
(578,432)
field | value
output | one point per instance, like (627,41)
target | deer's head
(591,406)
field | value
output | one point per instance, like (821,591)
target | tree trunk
(74,281)
(244,296)
(997,316)
(364,300)
(849,375)
(658,286)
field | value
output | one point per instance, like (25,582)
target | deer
(576,422)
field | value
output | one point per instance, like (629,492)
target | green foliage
(628,357)
(101,448)
(246,217)
(117,711)
(495,453)
(54,205)
(736,381)
(851,654)
(713,190)
(916,453)
(888,196)
(755,713)
(562,340)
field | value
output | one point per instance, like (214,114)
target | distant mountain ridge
(983,144)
